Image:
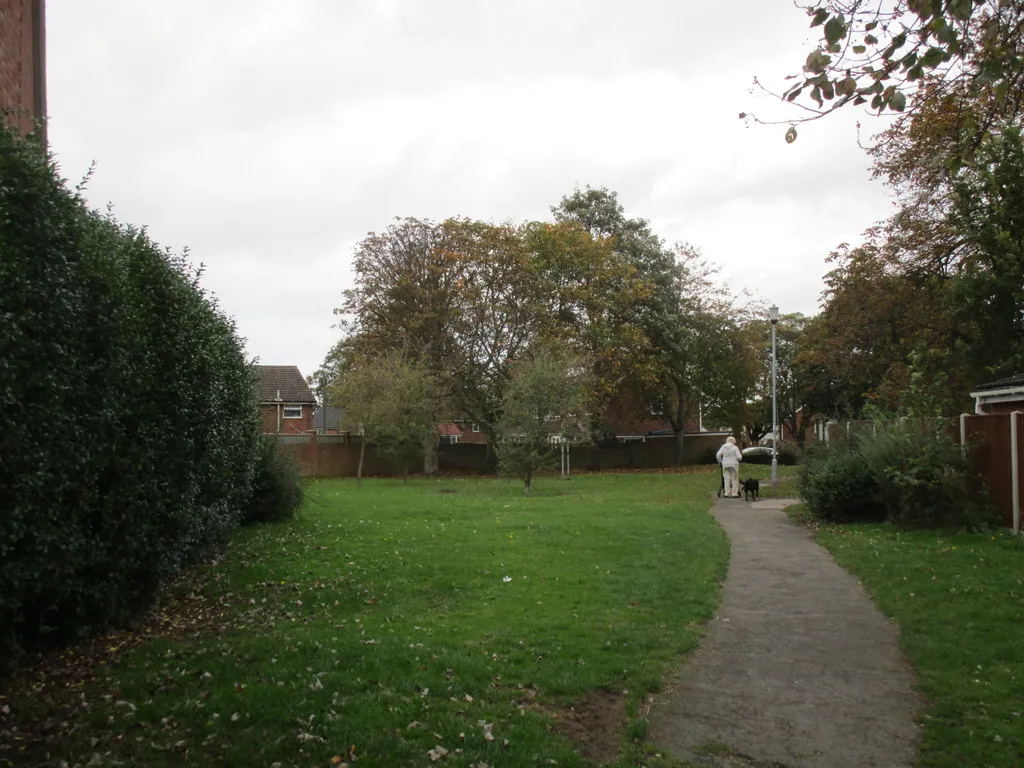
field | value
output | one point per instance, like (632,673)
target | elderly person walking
(729,456)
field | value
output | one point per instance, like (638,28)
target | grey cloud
(271,137)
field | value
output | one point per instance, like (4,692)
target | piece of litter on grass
(507,579)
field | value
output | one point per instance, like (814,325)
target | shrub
(838,486)
(923,478)
(128,424)
(909,472)
(789,453)
(277,488)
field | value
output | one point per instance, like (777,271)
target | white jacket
(729,455)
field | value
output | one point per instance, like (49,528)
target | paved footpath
(797,669)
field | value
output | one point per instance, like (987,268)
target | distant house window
(476,427)
(292,412)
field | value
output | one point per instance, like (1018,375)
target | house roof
(1009,382)
(333,417)
(283,384)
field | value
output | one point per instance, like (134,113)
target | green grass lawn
(393,621)
(959,602)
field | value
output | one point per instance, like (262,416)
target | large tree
(406,287)
(987,207)
(645,299)
(459,294)
(706,352)
(877,318)
(934,293)
(471,297)
(588,292)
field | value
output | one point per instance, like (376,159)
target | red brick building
(461,432)
(286,401)
(23,61)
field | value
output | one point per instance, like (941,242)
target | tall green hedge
(128,426)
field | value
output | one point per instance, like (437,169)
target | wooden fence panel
(988,443)
(338,455)
(1015,524)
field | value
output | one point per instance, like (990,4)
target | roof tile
(284,381)
(1017,380)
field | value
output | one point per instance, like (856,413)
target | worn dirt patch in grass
(596,724)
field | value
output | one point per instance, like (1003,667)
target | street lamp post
(773,315)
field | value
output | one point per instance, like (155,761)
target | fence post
(1015,471)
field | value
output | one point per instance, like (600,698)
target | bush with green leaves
(923,478)
(277,487)
(909,472)
(838,485)
(128,426)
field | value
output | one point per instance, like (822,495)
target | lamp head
(773,314)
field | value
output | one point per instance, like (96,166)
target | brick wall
(268,419)
(23,61)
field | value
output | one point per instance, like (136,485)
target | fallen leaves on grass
(436,753)
(63,684)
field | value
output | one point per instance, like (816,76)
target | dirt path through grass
(799,668)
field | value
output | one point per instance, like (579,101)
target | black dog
(751,488)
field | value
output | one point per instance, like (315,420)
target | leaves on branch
(892,50)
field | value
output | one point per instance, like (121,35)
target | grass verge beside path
(402,622)
(959,602)
(787,480)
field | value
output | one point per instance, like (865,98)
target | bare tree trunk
(528,485)
(362,453)
(677,446)
(678,425)
(430,458)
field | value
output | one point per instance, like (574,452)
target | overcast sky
(270,137)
